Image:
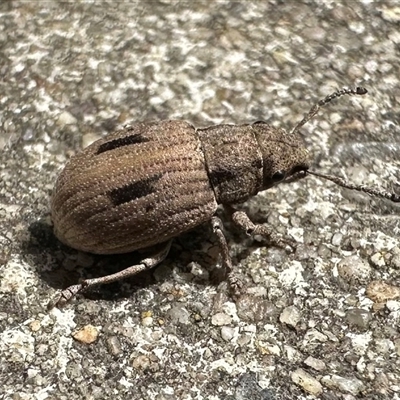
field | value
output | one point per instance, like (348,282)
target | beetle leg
(147,263)
(234,282)
(243,222)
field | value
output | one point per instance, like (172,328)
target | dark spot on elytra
(120,142)
(135,190)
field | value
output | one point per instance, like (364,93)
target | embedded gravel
(321,322)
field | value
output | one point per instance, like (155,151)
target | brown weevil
(147,183)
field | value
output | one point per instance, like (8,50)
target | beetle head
(285,158)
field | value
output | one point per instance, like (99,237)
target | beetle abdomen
(132,189)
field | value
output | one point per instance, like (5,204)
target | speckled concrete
(320,323)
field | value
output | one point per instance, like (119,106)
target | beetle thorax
(242,160)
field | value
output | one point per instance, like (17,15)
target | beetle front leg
(244,223)
(234,282)
(147,263)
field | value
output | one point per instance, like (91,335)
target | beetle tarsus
(65,296)
(235,284)
(244,223)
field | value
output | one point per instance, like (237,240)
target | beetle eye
(278,176)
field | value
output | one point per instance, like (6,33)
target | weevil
(149,182)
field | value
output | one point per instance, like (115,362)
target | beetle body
(147,183)
(150,182)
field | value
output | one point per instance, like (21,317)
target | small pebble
(384,346)
(397,346)
(378,260)
(88,334)
(268,348)
(395,259)
(346,385)
(314,363)
(290,316)
(227,333)
(89,138)
(393,305)
(391,13)
(380,291)
(34,325)
(66,118)
(314,336)
(306,381)
(337,239)
(220,319)
(114,345)
(359,318)
(179,314)
(353,268)
(147,321)
(141,362)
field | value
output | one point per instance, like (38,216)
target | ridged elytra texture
(150,182)
(91,207)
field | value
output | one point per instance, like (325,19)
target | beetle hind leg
(147,263)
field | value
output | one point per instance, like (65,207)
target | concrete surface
(320,323)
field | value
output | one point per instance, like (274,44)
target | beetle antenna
(377,192)
(315,108)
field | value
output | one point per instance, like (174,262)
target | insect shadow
(60,266)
